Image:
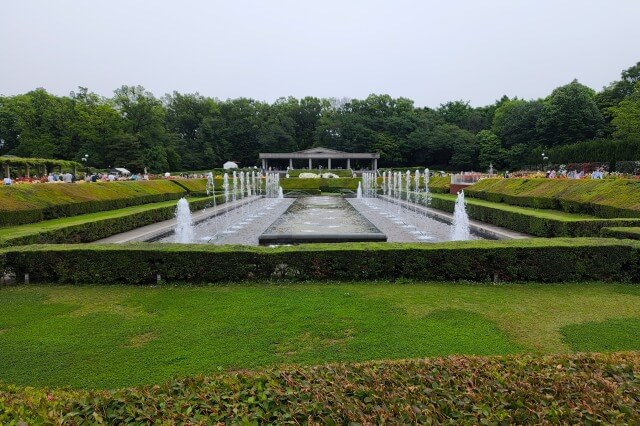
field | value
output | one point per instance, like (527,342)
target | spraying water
(280,193)
(184,226)
(427,194)
(460,220)
(359,193)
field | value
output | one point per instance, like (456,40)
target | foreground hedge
(568,389)
(92,230)
(20,204)
(607,198)
(539,260)
(531,222)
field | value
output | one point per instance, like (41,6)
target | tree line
(135,129)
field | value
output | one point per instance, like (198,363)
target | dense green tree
(569,115)
(626,117)
(616,92)
(515,122)
(490,151)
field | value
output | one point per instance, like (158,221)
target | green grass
(617,334)
(113,336)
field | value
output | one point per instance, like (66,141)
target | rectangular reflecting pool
(320,219)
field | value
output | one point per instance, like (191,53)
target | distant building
(230,165)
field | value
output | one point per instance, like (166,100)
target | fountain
(280,193)
(211,187)
(460,229)
(359,193)
(184,226)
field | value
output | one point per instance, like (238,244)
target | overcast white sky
(429,51)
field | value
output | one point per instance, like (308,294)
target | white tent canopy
(122,170)
(230,165)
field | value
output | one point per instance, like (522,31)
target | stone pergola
(324,154)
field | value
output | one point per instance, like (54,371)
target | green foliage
(21,204)
(603,150)
(569,115)
(515,122)
(323,185)
(608,198)
(566,389)
(626,118)
(528,260)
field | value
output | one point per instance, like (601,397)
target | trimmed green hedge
(30,203)
(440,184)
(540,260)
(343,173)
(95,228)
(517,389)
(531,221)
(321,185)
(606,198)
(632,233)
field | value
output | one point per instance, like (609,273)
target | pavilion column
(375,164)
(329,163)
(309,163)
(291,163)
(27,171)
(264,164)
(348,163)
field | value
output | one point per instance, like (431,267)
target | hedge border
(102,228)
(529,222)
(489,189)
(539,260)
(516,389)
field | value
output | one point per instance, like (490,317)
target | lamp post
(544,158)
(85,160)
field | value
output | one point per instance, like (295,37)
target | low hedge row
(344,173)
(322,185)
(541,260)
(607,198)
(529,221)
(439,184)
(20,204)
(518,389)
(92,230)
(632,233)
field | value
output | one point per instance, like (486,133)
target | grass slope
(604,198)
(109,337)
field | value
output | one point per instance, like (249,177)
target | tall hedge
(607,198)
(30,203)
(540,260)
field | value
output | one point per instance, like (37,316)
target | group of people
(573,174)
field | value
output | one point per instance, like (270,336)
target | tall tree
(569,115)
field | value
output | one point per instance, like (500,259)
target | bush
(539,260)
(531,222)
(517,389)
(632,233)
(21,204)
(607,198)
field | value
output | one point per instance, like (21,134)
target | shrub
(21,204)
(539,260)
(607,198)
(517,389)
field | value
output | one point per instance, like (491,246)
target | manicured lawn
(113,336)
